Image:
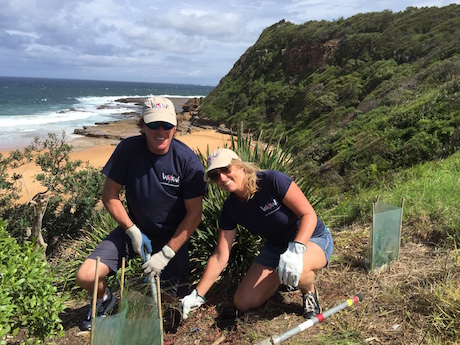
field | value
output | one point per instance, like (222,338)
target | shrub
(73,190)
(28,297)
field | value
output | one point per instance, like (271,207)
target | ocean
(34,107)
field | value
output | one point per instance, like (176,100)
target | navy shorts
(174,278)
(270,254)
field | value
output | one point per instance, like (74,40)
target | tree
(72,191)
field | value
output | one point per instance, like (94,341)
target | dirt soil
(394,309)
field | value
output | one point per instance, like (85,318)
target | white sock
(103,299)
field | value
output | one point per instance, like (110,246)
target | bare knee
(257,286)
(247,301)
(86,273)
(243,304)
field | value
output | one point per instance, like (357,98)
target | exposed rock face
(117,130)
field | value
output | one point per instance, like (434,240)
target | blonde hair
(250,181)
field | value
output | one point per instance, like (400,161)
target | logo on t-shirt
(270,206)
(170,180)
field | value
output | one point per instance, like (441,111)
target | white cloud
(142,40)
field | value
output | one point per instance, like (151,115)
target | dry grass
(398,304)
(414,300)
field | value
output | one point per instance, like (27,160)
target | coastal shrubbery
(28,295)
(430,215)
(361,97)
(72,189)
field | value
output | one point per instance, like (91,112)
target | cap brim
(148,118)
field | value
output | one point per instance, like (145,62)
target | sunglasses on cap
(155,125)
(214,175)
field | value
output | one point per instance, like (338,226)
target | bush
(27,295)
(73,190)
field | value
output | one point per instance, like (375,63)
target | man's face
(159,136)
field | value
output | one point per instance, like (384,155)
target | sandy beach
(97,151)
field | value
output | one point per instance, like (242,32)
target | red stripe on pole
(320,317)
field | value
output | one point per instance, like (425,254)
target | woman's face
(230,179)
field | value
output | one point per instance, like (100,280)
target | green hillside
(361,97)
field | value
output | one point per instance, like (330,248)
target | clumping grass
(70,260)
(431,191)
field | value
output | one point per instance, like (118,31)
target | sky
(185,42)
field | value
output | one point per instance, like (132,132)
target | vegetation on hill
(360,107)
(360,97)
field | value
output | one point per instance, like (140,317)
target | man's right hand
(191,302)
(141,243)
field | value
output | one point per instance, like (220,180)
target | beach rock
(136,100)
(117,130)
(186,110)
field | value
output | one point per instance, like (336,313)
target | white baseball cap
(219,158)
(159,109)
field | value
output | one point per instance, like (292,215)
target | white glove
(291,264)
(159,260)
(191,302)
(141,243)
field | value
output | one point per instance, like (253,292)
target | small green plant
(28,297)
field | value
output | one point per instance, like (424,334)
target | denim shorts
(270,254)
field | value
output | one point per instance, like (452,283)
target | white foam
(20,130)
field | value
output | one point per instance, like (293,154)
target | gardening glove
(159,260)
(191,302)
(141,243)
(291,264)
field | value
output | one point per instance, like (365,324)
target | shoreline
(101,139)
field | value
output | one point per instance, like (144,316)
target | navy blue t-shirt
(265,214)
(156,186)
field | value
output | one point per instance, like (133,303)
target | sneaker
(102,308)
(311,306)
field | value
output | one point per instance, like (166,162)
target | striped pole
(311,322)
(154,281)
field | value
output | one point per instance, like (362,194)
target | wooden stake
(123,260)
(93,307)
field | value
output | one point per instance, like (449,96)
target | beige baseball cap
(159,109)
(218,159)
